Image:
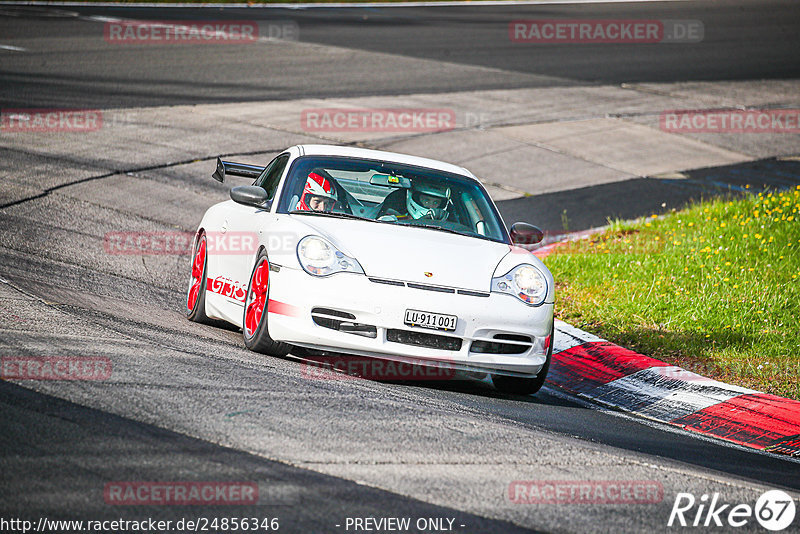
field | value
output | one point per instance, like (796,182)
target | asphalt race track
(188,402)
(452,41)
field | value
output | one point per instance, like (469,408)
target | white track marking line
(567,337)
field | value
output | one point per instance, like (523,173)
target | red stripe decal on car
(281,308)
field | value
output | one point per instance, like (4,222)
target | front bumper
(490,335)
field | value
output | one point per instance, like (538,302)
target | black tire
(259,340)
(525,386)
(197,312)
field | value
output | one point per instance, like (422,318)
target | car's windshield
(391,193)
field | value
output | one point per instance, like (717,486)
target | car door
(236,246)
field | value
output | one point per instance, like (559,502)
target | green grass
(712,288)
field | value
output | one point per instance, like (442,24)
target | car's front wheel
(254,323)
(525,386)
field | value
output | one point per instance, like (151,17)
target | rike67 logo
(774,510)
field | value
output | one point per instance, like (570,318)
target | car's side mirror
(525,234)
(250,195)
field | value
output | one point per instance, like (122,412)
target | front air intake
(342,322)
(423,339)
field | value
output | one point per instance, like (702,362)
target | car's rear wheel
(254,323)
(196,294)
(525,386)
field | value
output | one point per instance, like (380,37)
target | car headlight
(320,258)
(525,282)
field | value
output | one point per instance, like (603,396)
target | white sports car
(374,254)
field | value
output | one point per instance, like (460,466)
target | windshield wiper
(336,214)
(439,228)
(340,215)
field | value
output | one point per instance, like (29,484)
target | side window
(271,176)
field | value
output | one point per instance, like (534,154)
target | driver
(428,201)
(319,193)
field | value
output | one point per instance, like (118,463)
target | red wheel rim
(256,298)
(198,265)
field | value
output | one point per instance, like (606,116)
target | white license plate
(436,321)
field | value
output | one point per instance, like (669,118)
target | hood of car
(414,254)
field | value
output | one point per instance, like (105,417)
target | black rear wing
(235,169)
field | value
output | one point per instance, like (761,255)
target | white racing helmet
(428,200)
